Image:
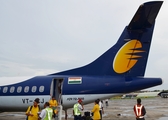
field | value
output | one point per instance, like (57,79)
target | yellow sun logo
(127,56)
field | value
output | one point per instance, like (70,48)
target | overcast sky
(39,37)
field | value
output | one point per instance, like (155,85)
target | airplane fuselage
(88,88)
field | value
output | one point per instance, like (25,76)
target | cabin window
(34,88)
(26,89)
(41,89)
(19,89)
(5,89)
(12,89)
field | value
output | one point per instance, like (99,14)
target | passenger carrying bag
(30,110)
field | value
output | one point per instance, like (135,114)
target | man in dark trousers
(139,110)
(77,110)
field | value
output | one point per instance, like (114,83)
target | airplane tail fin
(128,57)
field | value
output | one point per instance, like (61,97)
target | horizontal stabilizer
(145,15)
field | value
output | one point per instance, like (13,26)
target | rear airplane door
(56,89)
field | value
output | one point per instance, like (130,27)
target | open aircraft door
(56,89)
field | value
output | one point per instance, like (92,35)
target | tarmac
(118,109)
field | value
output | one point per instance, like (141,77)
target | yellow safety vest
(49,112)
(76,109)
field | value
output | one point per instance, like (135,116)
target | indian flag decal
(74,80)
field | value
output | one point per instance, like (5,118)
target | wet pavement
(118,109)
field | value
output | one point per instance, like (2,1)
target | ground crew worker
(101,108)
(46,113)
(53,104)
(77,110)
(139,110)
(32,111)
(106,101)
